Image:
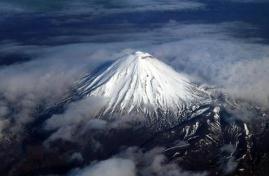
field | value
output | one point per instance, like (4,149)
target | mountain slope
(138,82)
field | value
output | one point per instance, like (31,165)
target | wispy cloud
(97,7)
(132,162)
(110,167)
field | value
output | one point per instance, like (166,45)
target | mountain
(139,83)
(198,128)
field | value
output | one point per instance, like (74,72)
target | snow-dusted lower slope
(138,82)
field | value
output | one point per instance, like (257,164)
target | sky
(45,46)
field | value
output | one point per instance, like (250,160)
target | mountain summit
(138,82)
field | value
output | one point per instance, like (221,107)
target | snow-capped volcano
(138,82)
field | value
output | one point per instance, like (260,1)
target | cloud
(213,57)
(249,1)
(38,84)
(81,117)
(228,163)
(97,7)
(128,6)
(6,8)
(78,112)
(133,162)
(110,167)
